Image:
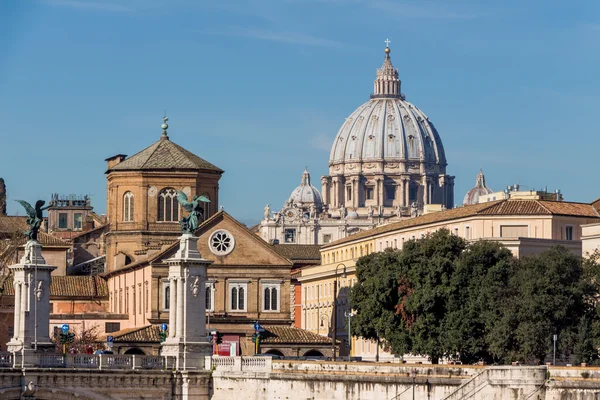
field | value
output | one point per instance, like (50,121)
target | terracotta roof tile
(499,207)
(292,335)
(69,286)
(454,213)
(299,253)
(164,154)
(145,334)
(18,224)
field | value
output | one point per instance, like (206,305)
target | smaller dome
(306,194)
(472,196)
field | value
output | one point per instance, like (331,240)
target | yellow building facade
(523,226)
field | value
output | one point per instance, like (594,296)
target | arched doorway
(313,353)
(135,351)
(274,352)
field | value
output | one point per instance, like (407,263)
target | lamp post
(349,315)
(414,376)
(334,319)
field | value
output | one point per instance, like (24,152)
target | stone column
(189,345)
(32,304)
(406,191)
(355,191)
(180,304)
(172,303)
(425,190)
(17,315)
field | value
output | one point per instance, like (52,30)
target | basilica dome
(387,127)
(306,194)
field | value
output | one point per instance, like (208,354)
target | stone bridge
(128,377)
(100,377)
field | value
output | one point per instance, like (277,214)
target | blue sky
(260,88)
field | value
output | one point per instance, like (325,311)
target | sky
(261,87)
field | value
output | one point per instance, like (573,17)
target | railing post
(100,361)
(208,363)
(237,363)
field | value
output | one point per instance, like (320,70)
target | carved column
(355,191)
(16,329)
(180,305)
(406,191)
(31,280)
(172,304)
(189,345)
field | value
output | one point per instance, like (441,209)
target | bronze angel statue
(190,223)
(34,217)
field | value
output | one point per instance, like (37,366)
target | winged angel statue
(190,223)
(34,217)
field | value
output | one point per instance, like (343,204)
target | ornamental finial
(165,126)
(387,46)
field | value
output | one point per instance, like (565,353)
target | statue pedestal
(186,335)
(31,282)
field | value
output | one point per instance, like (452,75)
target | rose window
(221,242)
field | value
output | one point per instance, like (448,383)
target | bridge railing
(88,361)
(257,364)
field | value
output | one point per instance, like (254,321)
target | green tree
(374,298)
(546,295)
(477,285)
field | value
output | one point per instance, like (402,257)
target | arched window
(128,207)
(270,297)
(166,296)
(168,207)
(234,298)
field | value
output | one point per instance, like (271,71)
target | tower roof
(164,154)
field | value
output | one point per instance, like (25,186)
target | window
(166,295)
(134,298)
(120,301)
(110,327)
(467,232)
(237,296)
(326,238)
(128,207)
(126,300)
(369,193)
(390,191)
(168,207)
(348,192)
(290,236)
(413,191)
(62,220)
(221,242)
(77,221)
(568,232)
(270,296)
(210,298)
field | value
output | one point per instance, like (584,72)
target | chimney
(114,160)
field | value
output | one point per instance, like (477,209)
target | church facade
(387,162)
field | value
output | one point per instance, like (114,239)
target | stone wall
(365,381)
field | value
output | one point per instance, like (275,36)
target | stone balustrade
(82,361)
(256,364)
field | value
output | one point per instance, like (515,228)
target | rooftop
(498,207)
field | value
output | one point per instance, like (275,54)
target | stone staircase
(468,389)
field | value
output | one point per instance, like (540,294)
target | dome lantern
(387,83)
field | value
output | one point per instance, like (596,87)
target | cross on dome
(387,42)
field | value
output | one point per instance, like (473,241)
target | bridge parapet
(85,361)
